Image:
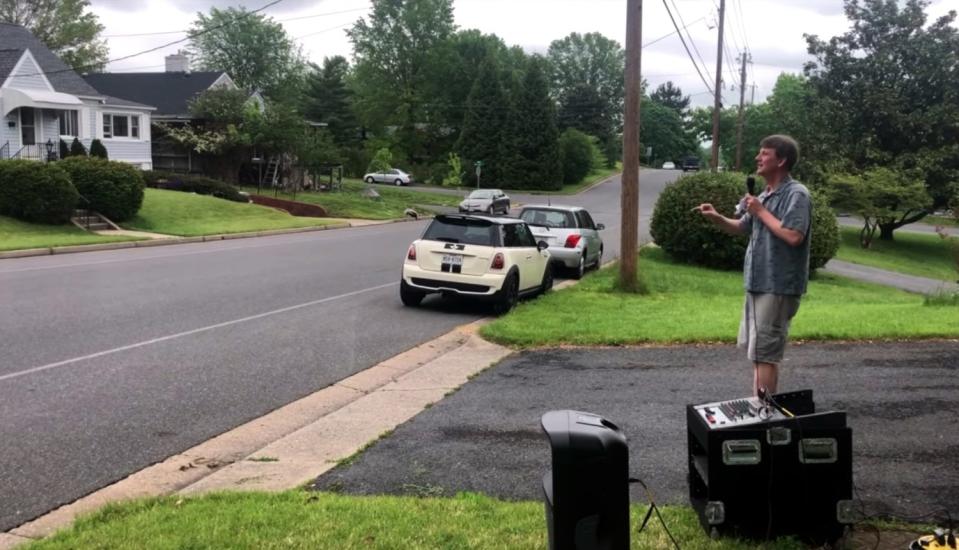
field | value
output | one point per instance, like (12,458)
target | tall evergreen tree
(671,96)
(484,127)
(329,100)
(535,140)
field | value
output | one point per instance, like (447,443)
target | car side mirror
(541,246)
(600,227)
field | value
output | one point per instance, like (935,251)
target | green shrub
(689,237)
(113,189)
(188,183)
(578,153)
(97,149)
(35,192)
(454,171)
(77,149)
(825,232)
(64,149)
(382,161)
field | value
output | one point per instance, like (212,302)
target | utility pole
(739,124)
(629,196)
(718,105)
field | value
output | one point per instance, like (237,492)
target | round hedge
(114,189)
(689,237)
(36,192)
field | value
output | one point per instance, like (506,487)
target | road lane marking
(66,362)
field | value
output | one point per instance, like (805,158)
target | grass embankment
(299,519)
(188,215)
(349,201)
(694,304)
(18,235)
(920,254)
(594,177)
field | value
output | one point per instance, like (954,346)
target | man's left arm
(793,227)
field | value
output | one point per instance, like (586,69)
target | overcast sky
(772,31)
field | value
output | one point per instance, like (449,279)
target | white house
(42,100)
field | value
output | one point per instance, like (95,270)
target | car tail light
(499,261)
(572,241)
(411,253)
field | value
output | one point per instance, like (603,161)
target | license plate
(452,259)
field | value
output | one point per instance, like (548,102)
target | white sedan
(393,175)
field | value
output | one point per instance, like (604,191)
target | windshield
(548,218)
(460,230)
(481,194)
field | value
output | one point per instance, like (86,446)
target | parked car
(571,234)
(489,201)
(393,175)
(669,165)
(690,163)
(483,257)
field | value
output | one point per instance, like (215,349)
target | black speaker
(586,492)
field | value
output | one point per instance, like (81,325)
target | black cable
(653,508)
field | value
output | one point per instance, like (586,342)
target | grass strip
(20,235)
(302,519)
(688,304)
(188,215)
(919,254)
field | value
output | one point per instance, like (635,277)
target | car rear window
(548,218)
(463,230)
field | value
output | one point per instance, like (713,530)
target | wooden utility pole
(739,123)
(629,197)
(718,104)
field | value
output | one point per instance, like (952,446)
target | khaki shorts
(765,326)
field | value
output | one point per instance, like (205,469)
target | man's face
(767,163)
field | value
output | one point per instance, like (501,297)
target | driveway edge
(295,444)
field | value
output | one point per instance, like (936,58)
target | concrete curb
(296,443)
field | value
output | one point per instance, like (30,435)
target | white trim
(39,70)
(223,80)
(14,98)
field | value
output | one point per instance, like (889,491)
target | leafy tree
(758,123)
(533,146)
(382,161)
(592,60)
(484,126)
(394,54)
(329,99)
(454,176)
(882,197)
(889,89)
(671,97)
(583,108)
(661,127)
(64,26)
(578,153)
(252,48)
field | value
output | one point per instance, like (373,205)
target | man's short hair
(785,147)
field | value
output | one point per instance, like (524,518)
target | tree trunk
(886,230)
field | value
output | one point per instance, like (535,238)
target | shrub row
(689,237)
(48,192)
(193,184)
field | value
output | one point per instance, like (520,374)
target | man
(776,268)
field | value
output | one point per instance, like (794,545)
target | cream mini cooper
(494,259)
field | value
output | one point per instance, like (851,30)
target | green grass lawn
(350,203)
(694,304)
(920,254)
(187,215)
(18,235)
(300,519)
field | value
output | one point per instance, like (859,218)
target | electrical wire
(279,20)
(690,37)
(708,87)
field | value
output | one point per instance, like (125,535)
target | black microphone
(751,185)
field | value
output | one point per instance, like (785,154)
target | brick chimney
(177,63)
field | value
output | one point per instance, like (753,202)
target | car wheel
(410,296)
(490,210)
(580,268)
(398,182)
(508,295)
(369,179)
(547,284)
(599,259)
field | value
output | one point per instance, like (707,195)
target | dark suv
(691,163)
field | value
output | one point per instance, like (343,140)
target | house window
(69,123)
(121,126)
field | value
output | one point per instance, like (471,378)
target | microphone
(751,189)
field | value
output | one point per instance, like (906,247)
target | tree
(484,126)
(882,197)
(888,89)
(328,99)
(592,60)
(533,146)
(661,127)
(252,48)
(64,26)
(393,55)
(671,97)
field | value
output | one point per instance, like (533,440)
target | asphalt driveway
(902,402)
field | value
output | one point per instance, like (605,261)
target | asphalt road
(111,361)
(900,399)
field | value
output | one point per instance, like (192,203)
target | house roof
(61,76)
(170,92)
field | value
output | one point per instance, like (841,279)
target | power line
(323,31)
(672,33)
(681,39)
(279,20)
(691,41)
